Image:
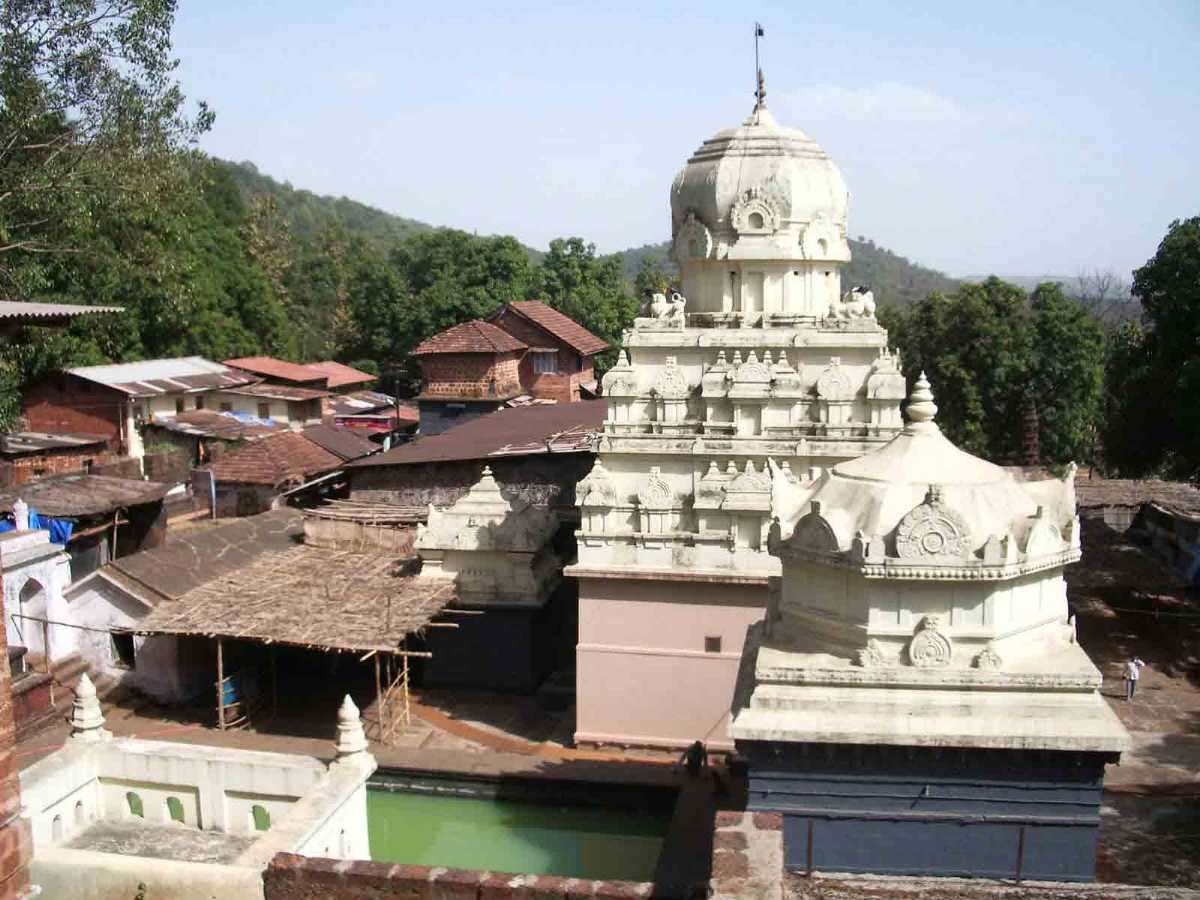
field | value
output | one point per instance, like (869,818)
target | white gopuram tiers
(760,357)
(916,694)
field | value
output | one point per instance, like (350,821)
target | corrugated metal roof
(280,392)
(213,424)
(281,369)
(359,402)
(46,313)
(340,374)
(152,377)
(517,431)
(34,441)
(340,441)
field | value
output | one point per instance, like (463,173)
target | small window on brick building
(264,410)
(123,653)
(226,407)
(88,465)
(545,362)
(38,472)
(178,404)
(712,644)
(200,401)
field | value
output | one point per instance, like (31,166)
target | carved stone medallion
(834,383)
(694,240)
(929,648)
(872,656)
(657,494)
(932,530)
(988,658)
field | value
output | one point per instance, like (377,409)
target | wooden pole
(407,717)
(378,700)
(46,656)
(810,848)
(220,684)
(274,684)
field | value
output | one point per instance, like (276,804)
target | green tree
(91,123)
(590,289)
(1154,369)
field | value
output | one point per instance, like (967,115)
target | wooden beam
(220,684)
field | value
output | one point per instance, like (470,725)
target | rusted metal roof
(17,442)
(84,495)
(562,327)
(211,424)
(279,392)
(342,442)
(271,367)
(153,377)
(20,312)
(517,431)
(340,375)
(475,336)
(274,460)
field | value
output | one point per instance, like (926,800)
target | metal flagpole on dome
(758,32)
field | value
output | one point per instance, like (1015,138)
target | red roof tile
(271,367)
(475,336)
(340,375)
(274,460)
(562,327)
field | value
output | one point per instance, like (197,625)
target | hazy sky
(1017,137)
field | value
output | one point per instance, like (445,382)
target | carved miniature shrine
(759,356)
(915,701)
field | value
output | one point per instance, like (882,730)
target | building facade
(560,362)
(760,358)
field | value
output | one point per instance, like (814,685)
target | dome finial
(921,408)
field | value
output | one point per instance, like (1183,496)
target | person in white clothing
(1133,671)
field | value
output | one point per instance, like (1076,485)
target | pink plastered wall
(644,675)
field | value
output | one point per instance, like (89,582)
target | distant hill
(307,213)
(895,280)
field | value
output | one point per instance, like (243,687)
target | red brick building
(30,455)
(469,370)
(559,363)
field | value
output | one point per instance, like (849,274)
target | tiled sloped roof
(274,460)
(271,367)
(342,442)
(562,327)
(475,336)
(213,424)
(15,442)
(340,375)
(517,431)
(84,495)
(1099,492)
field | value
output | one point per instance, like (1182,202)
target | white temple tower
(764,359)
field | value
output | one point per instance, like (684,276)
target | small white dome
(762,180)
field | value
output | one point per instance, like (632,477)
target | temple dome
(781,171)
(874,494)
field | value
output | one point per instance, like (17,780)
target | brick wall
(471,375)
(562,386)
(62,403)
(34,466)
(15,839)
(294,877)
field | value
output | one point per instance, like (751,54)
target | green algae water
(509,836)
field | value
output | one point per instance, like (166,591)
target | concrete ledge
(294,877)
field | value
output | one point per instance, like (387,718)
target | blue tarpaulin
(60,529)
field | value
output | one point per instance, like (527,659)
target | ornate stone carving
(885,381)
(666,311)
(857,303)
(929,648)
(755,212)
(752,371)
(872,655)
(657,494)
(988,658)
(932,530)
(597,488)
(620,380)
(714,382)
(813,532)
(694,240)
(834,383)
(751,479)
(672,384)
